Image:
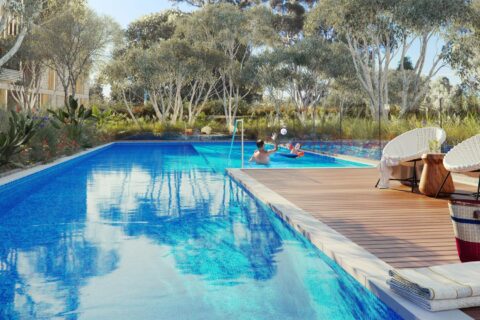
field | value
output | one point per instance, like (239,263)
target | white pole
(241,120)
(243,148)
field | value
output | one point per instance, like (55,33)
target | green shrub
(20,130)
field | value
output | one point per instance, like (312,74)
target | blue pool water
(216,154)
(158,231)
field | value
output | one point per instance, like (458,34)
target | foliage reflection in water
(153,232)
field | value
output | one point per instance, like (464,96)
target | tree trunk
(16,46)
(129,109)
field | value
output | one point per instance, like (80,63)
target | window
(51,79)
(45,100)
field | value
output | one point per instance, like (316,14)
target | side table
(433,174)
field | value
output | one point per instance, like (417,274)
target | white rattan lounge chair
(464,158)
(406,150)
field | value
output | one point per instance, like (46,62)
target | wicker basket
(465,216)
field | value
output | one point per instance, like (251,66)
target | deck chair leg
(378,181)
(414,182)
(443,183)
(478,188)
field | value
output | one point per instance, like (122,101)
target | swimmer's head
(260,143)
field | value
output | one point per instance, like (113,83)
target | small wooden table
(433,174)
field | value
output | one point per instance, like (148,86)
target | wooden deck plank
(404,229)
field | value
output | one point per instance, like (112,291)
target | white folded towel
(438,288)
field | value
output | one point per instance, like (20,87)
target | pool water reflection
(153,231)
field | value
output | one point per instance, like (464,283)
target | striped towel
(439,288)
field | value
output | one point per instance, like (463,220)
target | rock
(206,130)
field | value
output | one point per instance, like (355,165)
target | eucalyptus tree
(290,18)
(118,74)
(369,31)
(309,68)
(151,29)
(375,32)
(423,23)
(465,53)
(203,3)
(23,13)
(175,73)
(272,79)
(25,91)
(204,80)
(234,33)
(74,40)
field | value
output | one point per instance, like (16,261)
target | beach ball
(283,131)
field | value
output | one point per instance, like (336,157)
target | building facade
(50,94)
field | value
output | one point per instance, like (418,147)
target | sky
(126,11)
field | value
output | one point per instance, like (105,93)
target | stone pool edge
(10,178)
(366,268)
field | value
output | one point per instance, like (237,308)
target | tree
(376,32)
(234,33)
(151,29)
(175,72)
(118,74)
(273,80)
(23,13)
(73,41)
(369,32)
(406,65)
(289,19)
(309,67)
(30,62)
(420,22)
(465,47)
(203,3)
(440,95)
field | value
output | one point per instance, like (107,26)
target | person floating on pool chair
(262,156)
(295,150)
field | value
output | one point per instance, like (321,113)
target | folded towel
(385,167)
(433,305)
(437,288)
(451,281)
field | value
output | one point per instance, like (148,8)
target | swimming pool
(217,156)
(155,231)
(358,148)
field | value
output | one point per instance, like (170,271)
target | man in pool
(262,156)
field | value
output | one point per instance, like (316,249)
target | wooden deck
(404,229)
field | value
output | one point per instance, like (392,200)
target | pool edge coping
(15,176)
(365,267)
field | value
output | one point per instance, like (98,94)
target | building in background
(51,93)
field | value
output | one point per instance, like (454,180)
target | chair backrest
(412,144)
(465,156)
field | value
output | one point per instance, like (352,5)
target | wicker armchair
(406,150)
(464,158)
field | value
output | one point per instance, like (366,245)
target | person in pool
(262,156)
